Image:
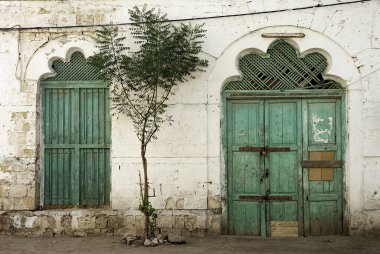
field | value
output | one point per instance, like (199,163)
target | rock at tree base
(151,243)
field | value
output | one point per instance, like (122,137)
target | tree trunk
(145,200)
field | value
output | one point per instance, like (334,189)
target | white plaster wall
(185,163)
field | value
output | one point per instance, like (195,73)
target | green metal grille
(76,69)
(282,69)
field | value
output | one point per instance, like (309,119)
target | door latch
(264,175)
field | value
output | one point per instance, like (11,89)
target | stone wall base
(102,222)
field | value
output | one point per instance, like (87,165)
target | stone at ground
(176,239)
(129,239)
(150,243)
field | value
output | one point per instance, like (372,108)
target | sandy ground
(220,244)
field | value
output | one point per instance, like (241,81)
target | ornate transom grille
(76,69)
(282,69)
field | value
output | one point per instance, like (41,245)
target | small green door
(267,186)
(76,143)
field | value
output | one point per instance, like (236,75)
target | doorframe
(283,94)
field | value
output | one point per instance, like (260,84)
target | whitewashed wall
(185,164)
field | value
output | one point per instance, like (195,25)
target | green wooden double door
(76,143)
(270,145)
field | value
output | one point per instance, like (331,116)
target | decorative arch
(282,68)
(40,64)
(340,65)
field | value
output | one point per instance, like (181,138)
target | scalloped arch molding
(341,67)
(40,63)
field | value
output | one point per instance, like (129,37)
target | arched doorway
(284,131)
(77,135)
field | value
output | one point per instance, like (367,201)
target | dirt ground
(220,244)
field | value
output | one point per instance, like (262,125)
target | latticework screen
(76,69)
(282,69)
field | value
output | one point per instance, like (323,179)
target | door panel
(283,173)
(246,124)
(282,124)
(246,173)
(323,216)
(245,167)
(95,177)
(59,165)
(283,210)
(247,218)
(323,187)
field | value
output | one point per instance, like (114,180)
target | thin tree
(141,82)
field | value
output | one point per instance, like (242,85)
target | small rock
(137,243)
(161,241)
(150,243)
(176,239)
(79,234)
(159,237)
(129,239)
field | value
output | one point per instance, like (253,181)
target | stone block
(29,221)
(25,203)
(284,228)
(171,231)
(101,221)
(6,204)
(86,222)
(139,224)
(44,222)
(179,221)
(4,190)
(5,223)
(214,225)
(129,221)
(17,221)
(213,202)
(164,221)
(66,221)
(190,221)
(17,190)
(185,233)
(115,222)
